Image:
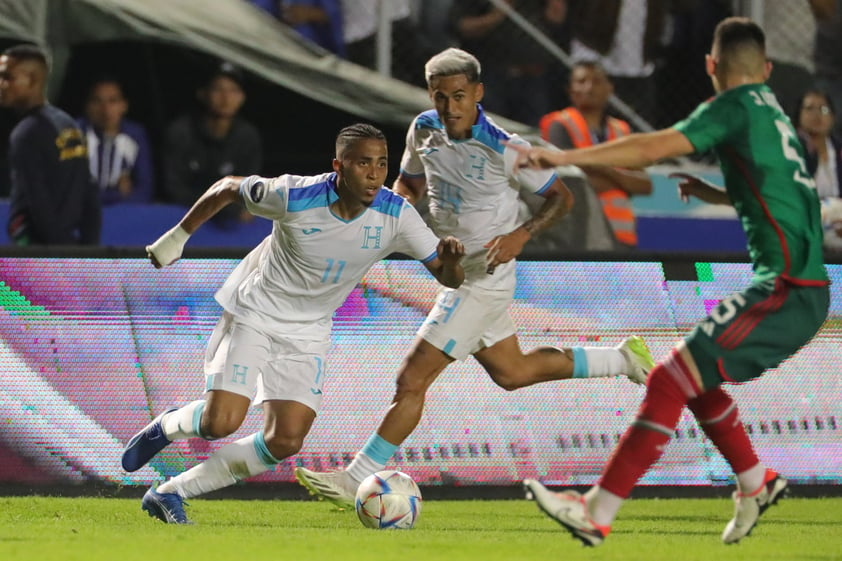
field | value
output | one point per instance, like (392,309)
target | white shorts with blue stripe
(468,319)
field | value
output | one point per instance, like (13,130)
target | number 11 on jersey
(329,271)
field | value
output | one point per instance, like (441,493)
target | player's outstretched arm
(447,267)
(692,186)
(632,181)
(168,248)
(634,151)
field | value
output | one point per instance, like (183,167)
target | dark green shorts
(757,329)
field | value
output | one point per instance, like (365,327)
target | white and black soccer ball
(388,500)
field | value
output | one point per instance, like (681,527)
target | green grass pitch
(95,529)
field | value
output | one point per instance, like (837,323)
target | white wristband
(168,247)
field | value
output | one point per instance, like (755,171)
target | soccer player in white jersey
(464,162)
(274,333)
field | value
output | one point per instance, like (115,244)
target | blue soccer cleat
(146,444)
(166,507)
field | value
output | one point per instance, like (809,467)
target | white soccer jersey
(294,281)
(473,187)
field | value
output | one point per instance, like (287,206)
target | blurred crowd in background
(157,133)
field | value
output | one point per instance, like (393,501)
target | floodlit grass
(95,529)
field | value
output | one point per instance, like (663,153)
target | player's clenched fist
(450,250)
(167,249)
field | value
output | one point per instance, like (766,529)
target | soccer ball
(388,500)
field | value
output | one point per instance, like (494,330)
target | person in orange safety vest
(586,123)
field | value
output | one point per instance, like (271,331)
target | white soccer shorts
(249,362)
(468,319)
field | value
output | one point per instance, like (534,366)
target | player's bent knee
(219,427)
(508,380)
(283,446)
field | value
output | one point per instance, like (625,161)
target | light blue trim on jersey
(313,196)
(263,453)
(388,202)
(580,362)
(488,134)
(385,202)
(428,120)
(546,186)
(378,449)
(345,220)
(483,131)
(449,346)
(430,257)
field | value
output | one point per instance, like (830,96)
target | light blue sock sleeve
(263,451)
(580,362)
(378,449)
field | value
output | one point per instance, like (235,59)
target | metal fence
(527,46)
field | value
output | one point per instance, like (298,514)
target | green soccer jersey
(765,178)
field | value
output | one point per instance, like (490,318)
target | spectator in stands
(586,123)
(790,34)
(53,200)
(199,148)
(828,50)
(360,21)
(624,36)
(514,65)
(433,23)
(118,148)
(683,82)
(320,21)
(814,122)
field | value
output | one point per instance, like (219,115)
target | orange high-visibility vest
(616,203)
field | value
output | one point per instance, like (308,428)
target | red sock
(719,418)
(644,442)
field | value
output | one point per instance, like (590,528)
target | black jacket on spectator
(52,200)
(193,160)
(811,158)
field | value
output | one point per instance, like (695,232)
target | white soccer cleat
(638,358)
(336,486)
(569,509)
(748,508)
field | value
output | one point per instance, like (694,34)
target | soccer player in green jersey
(766,181)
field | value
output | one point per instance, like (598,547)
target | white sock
(599,362)
(751,479)
(184,423)
(603,505)
(233,462)
(362,466)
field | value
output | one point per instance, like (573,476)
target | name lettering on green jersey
(766,98)
(789,140)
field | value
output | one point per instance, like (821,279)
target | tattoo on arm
(553,209)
